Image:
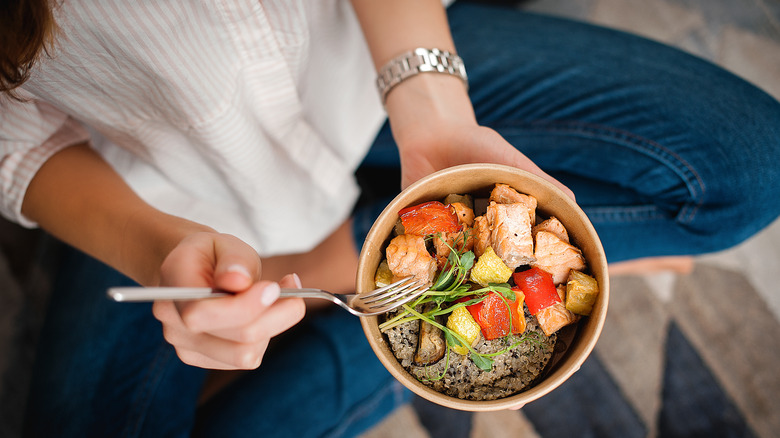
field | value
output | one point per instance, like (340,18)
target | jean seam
(619,137)
(625,214)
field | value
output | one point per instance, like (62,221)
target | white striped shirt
(249,116)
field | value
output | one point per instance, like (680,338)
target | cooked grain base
(513,370)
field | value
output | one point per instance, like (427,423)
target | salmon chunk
(510,233)
(408,256)
(556,256)
(464,213)
(504,194)
(553,225)
(481,232)
(553,318)
(461,241)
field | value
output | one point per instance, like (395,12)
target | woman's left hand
(435,128)
(461,144)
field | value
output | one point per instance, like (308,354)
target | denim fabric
(104,370)
(667,154)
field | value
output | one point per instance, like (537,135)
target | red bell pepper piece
(538,287)
(492,315)
(429,218)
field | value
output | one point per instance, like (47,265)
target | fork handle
(146,294)
(313,293)
(306,293)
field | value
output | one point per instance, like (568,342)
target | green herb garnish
(451,285)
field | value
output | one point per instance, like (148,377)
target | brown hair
(27,28)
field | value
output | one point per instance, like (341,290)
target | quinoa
(513,370)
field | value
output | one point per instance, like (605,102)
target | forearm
(419,103)
(393,27)
(77,197)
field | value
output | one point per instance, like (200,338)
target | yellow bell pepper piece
(489,268)
(461,322)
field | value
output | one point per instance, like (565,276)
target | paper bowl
(479,179)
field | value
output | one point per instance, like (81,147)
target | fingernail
(270,294)
(239,269)
(296,280)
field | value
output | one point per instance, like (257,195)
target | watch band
(417,61)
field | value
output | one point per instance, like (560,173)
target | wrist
(149,237)
(415,62)
(425,105)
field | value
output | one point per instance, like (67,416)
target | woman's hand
(462,144)
(435,128)
(229,332)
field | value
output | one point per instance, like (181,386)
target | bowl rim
(577,352)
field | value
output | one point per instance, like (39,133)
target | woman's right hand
(158,249)
(228,332)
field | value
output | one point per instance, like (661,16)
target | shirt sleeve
(30,133)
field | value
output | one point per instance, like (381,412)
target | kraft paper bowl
(478,179)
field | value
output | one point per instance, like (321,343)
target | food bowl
(479,179)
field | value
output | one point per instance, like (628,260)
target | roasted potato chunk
(461,322)
(489,268)
(581,292)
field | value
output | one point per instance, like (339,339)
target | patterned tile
(659,20)
(754,57)
(589,404)
(632,344)
(758,260)
(403,423)
(502,424)
(738,339)
(694,404)
(441,422)
(566,8)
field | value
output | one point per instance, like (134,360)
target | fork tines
(398,293)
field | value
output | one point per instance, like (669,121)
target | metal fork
(376,302)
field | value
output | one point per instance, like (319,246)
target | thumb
(237,265)
(290,281)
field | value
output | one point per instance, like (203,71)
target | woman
(214,145)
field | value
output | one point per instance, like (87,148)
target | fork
(378,301)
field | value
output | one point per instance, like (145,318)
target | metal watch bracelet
(417,61)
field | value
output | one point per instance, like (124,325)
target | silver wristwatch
(419,60)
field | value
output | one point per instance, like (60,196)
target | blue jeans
(668,154)
(104,370)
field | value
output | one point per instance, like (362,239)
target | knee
(741,175)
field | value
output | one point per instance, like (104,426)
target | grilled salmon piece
(504,194)
(553,225)
(461,241)
(553,318)
(464,213)
(408,256)
(510,233)
(556,256)
(481,232)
